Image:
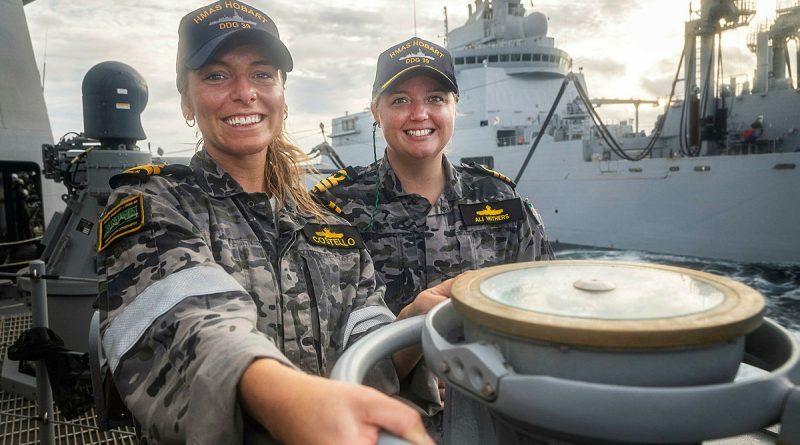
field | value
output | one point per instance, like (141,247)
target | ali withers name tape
(492,212)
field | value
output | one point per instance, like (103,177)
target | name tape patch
(492,212)
(338,236)
(126,217)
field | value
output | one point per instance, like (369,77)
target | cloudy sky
(627,49)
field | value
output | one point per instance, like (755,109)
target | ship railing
(761,146)
(45,413)
(747,7)
(785,6)
(745,11)
(44,394)
(752,37)
(501,44)
(511,140)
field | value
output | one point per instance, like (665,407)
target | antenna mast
(414,7)
(44,63)
(446,29)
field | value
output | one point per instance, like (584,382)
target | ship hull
(739,208)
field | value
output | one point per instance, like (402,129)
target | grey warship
(693,186)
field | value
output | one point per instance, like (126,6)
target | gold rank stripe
(334,207)
(149,169)
(499,175)
(330,182)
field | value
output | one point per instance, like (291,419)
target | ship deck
(18,422)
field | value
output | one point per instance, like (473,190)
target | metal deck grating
(17,424)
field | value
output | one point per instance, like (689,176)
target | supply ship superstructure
(692,186)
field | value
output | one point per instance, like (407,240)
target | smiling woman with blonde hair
(223,303)
(425,220)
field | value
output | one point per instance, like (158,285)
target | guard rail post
(44,395)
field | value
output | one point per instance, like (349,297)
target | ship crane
(635,102)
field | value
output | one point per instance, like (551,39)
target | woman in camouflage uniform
(425,220)
(227,294)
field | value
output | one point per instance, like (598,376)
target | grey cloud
(605,67)
(584,18)
(658,86)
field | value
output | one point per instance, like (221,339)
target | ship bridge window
(470,59)
(459,61)
(526,57)
(492,59)
(537,57)
(504,57)
(516,57)
(506,138)
(486,161)
(348,125)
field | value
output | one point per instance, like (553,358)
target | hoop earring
(285,114)
(191,123)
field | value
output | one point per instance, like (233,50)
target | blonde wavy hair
(283,173)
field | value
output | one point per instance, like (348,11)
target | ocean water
(779,284)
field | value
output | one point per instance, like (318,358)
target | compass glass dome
(603,291)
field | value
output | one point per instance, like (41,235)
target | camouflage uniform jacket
(416,245)
(213,280)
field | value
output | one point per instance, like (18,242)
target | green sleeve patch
(126,217)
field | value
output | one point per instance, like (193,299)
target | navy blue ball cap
(414,55)
(203,31)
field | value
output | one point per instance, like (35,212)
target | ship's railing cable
(567,79)
(327,150)
(668,107)
(683,133)
(24,241)
(695,152)
(609,138)
(601,127)
(48,277)
(660,125)
(606,135)
(701,117)
(603,130)
(377,179)
(722,105)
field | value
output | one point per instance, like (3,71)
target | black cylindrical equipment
(114,96)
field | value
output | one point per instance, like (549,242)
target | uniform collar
(212,178)
(391,186)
